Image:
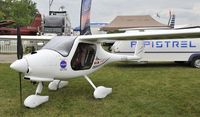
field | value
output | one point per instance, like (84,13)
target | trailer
(176,50)
(57,23)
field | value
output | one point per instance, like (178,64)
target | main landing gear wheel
(99,92)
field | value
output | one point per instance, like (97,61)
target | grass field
(153,90)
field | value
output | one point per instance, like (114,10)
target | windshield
(61,44)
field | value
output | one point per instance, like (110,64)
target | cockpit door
(84,56)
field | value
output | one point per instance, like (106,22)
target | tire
(196,62)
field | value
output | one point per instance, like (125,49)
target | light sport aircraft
(65,57)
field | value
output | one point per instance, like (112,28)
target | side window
(83,57)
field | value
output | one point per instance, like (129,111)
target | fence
(11,46)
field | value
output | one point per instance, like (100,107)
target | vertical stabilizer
(85,17)
(172,19)
(172,22)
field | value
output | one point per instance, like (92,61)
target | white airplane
(66,57)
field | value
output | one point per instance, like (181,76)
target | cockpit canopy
(61,44)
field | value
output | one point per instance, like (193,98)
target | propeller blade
(19,44)
(19,56)
(20,88)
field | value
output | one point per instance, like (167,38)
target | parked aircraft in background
(27,30)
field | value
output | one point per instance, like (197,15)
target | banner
(85,17)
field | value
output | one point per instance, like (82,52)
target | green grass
(153,90)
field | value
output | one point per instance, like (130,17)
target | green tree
(22,11)
(1,15)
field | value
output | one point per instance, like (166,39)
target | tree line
(21,11)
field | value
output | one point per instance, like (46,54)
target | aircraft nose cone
(20,65)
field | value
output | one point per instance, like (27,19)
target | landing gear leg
(33,101)
(100,91)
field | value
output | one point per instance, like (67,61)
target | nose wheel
(35,100)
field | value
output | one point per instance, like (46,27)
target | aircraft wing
(147,35)
(14,37)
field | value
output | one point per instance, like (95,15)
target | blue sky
(187,11)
